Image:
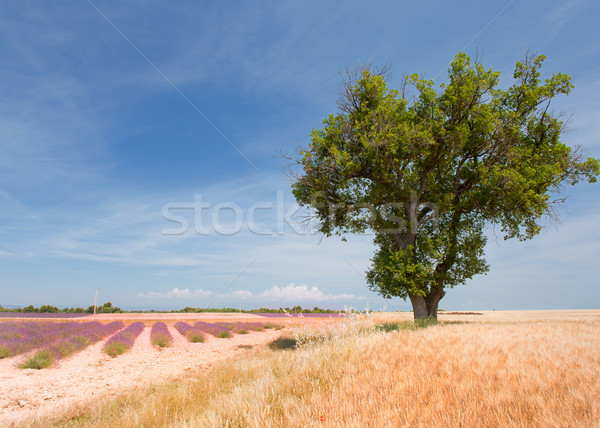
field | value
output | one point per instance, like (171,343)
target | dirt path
(91,373)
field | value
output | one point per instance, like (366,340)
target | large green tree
(427,173)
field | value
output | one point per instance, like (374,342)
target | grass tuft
(161,341)
(196,337)
(39,360)
(405,325)
(116,348)
(4,351)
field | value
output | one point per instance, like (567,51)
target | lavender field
(44,342)
(85,335)
(98,370)
(56,339)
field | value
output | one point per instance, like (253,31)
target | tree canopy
(426,173)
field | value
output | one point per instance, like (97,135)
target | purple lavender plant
(78,338)
(160,335)
(123,340)
(216,330)
(194,335)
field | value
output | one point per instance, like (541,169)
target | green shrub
(39,360)
(283,343)
(273,326)
(4,351)
(406,325)
(116,348)
(196,337)
(161,341)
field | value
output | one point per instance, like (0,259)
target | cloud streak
(177,293)
(301,293)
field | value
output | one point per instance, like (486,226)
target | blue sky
(117,114)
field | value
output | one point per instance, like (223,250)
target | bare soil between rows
(90,373)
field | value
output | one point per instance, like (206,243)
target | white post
(95,302)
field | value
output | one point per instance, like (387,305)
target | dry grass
(542,374)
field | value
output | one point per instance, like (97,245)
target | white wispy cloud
(177,293)
(243,294)
(301,293)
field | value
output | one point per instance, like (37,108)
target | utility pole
(95,302)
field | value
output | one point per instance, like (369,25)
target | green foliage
(43,308)
(196,338)
(427,174)
(4,351)
(283,343)
(115,349)
(224,335)
(161,341)
(406,325)
(106,308)
(39,360)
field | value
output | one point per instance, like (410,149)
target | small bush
(4,351)
(116,348)
(39,360)
(224,335)
(196,337)
(161,341)
(272,326)
(242,331)
(283,343)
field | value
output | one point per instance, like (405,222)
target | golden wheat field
(531,369)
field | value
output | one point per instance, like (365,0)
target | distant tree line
(106,308)
(295,309)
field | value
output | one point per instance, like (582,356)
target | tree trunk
(432,301)
(419,307)
(426,307)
